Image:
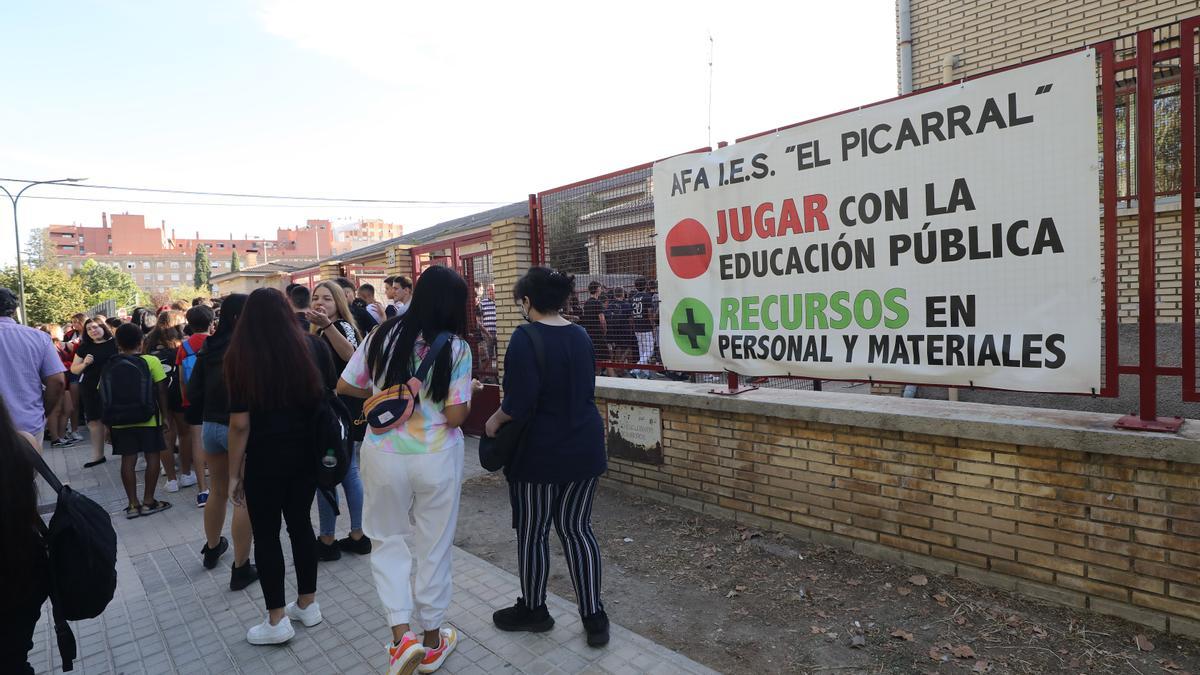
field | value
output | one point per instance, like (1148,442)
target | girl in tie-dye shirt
(412,475)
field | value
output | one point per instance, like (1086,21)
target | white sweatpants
(413,496)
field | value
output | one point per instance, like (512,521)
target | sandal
(133,511)
(155,506)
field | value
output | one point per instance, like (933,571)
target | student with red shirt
(199,322)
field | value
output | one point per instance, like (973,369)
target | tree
(39,250)
(203,267)
(566,246)
(185,293)
(235,264)
(50,295)
(104,282)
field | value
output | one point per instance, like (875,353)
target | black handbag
(499,452)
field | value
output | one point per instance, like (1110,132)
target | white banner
(952,237)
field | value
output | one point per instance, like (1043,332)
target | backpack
(127,391)
(333,445)
(189,360)
(82,547)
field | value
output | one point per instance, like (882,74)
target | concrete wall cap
(1040,427)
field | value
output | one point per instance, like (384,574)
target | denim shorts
(215,437)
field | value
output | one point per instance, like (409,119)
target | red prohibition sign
(689,249)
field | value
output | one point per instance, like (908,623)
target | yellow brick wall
(510,260)
(400,261)
(990,34)
(1168,268)
(1118,535)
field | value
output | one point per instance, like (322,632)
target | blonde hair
(339,301)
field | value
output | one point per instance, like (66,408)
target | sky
(381,99)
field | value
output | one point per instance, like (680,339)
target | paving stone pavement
(170,615)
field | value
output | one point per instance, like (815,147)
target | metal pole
(20,269)
(1148,384)
(17,234)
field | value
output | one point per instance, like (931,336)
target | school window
(174,264)
(174,277)
(145,265)
(158,265)
(162,277)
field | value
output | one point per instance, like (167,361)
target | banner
(952,237)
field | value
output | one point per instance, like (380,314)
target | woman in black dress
(94,351)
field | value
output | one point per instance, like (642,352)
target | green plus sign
(692,326)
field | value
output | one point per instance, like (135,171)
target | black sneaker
(360,546)
(596,626)
(241,577)
(212,554)
(328,552)
(520,617)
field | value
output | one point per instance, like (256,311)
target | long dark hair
(269,365)
(18,498)
(231,309)
(439,304)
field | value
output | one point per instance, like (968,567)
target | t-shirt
(101,352)
(426,431)
(27,357)
(564,441)
(487,311)
(644,304)
(281,439)
(158,375)
(592,309)
(195,342)
(620,321)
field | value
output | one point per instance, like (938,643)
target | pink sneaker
(406,656)
(434,658)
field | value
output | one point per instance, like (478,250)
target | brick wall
(1119,535)
(1168,268)
(990,34)
(511,258)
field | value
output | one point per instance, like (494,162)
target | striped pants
(569,507)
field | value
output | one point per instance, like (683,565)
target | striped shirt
(487,308)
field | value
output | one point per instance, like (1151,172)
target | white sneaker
(309,616)
(187,479)
(77,436)
(266,634)
(172,486)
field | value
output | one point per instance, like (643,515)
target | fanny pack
(394,406)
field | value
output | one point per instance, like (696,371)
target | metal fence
(602,229)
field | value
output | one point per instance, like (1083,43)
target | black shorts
(133,440)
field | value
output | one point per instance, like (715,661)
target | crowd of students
(232,388)
(622,323)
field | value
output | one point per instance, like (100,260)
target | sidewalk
(171,615)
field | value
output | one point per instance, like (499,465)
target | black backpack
(333,445)
(127,391)
(82,546)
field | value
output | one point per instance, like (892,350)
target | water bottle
(329,460)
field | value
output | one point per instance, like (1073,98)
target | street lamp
(17,231)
